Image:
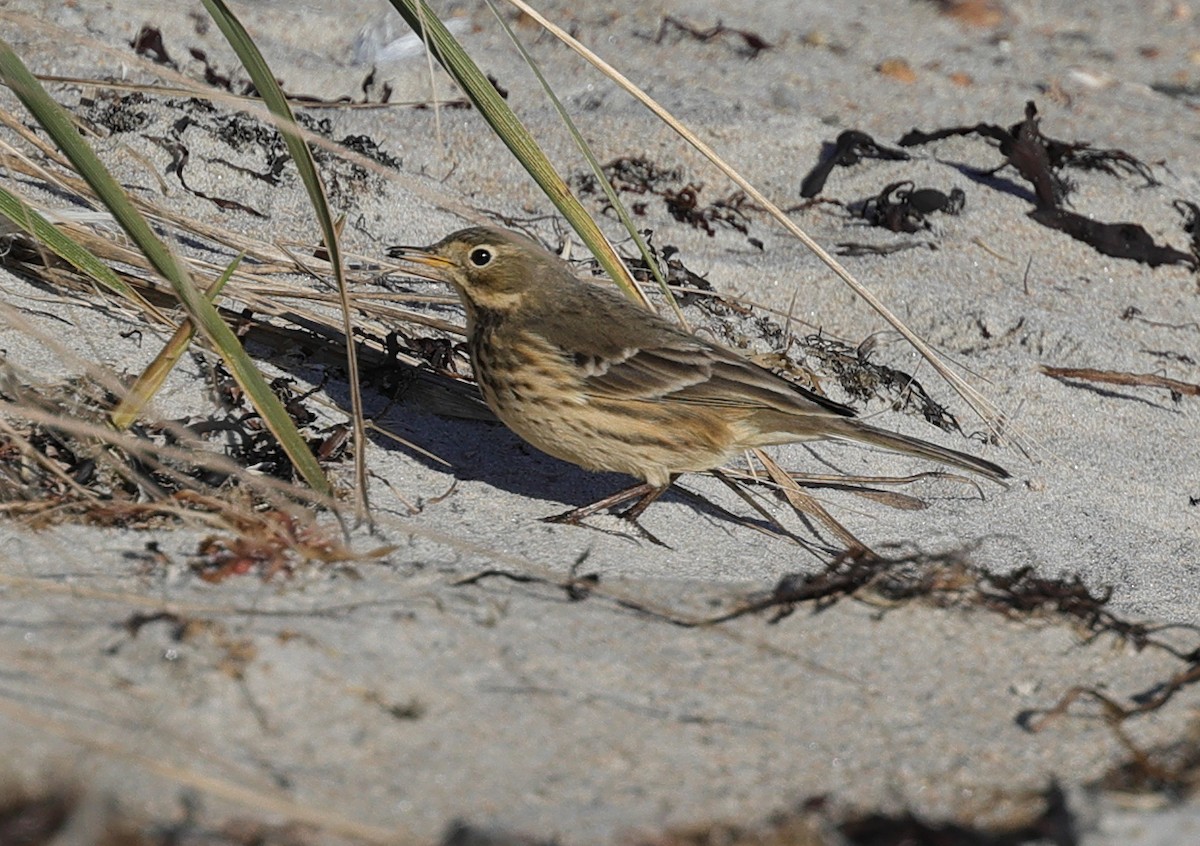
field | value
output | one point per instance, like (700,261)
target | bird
(585,374)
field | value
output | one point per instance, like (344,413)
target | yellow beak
(422,256)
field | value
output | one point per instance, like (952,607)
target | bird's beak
(421,255)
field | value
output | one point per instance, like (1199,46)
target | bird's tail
(855,430)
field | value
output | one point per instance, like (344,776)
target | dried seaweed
(902,207)
(1040,161)
(1170,770)
(850,148)
(1119,240)
(52,473)
(637,175)
(749,44)
(863,379)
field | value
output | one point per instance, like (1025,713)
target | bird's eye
(481,257)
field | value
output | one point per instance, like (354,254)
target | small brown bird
(583,373)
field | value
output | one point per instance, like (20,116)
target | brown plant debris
(1171,770)
(858,248)
(77,470)
(236,654)
(1041,160)
(1135,313)
(850,148)
(684,205)
(861,379)
(180,156)
(1030,152)
(947,580)
(252,148)
(902,207)
(676,273)
(439,353)
(864,380)
(384,94)
(1177,388)
(277,544)
(1119,240)
(636,175)
(749,44)
(1113,711)
(1191,223)
(149,42)
(630,174)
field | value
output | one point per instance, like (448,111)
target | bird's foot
(645,493)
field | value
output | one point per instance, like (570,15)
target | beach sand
(390,701)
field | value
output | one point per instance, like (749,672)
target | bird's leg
(633,512)
(645,493)
(642,490)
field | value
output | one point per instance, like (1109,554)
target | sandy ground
(387,702)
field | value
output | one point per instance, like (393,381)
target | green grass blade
(67,248)
(512,132)
(57,124)
(274,98)
(610,193)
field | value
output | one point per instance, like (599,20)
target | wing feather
(635,356)
(690,370)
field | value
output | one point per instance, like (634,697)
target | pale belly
(642,440)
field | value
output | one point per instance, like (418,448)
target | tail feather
(855,430)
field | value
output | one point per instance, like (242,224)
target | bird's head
(492,269)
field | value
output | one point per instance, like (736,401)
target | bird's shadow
(489,452)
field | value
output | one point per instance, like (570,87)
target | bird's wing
(622,352)
(689,370)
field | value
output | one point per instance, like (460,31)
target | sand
(386,701)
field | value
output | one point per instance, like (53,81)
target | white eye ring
(480,257)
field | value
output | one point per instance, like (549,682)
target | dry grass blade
(61,459)
(807,504)
(1116,377)
(991,415)
(276,299)
(254,288)
(66,248)
(91,450)
(148,384)
(854,485)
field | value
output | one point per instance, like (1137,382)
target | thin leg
(633,512)
(639,492)
(645,493)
